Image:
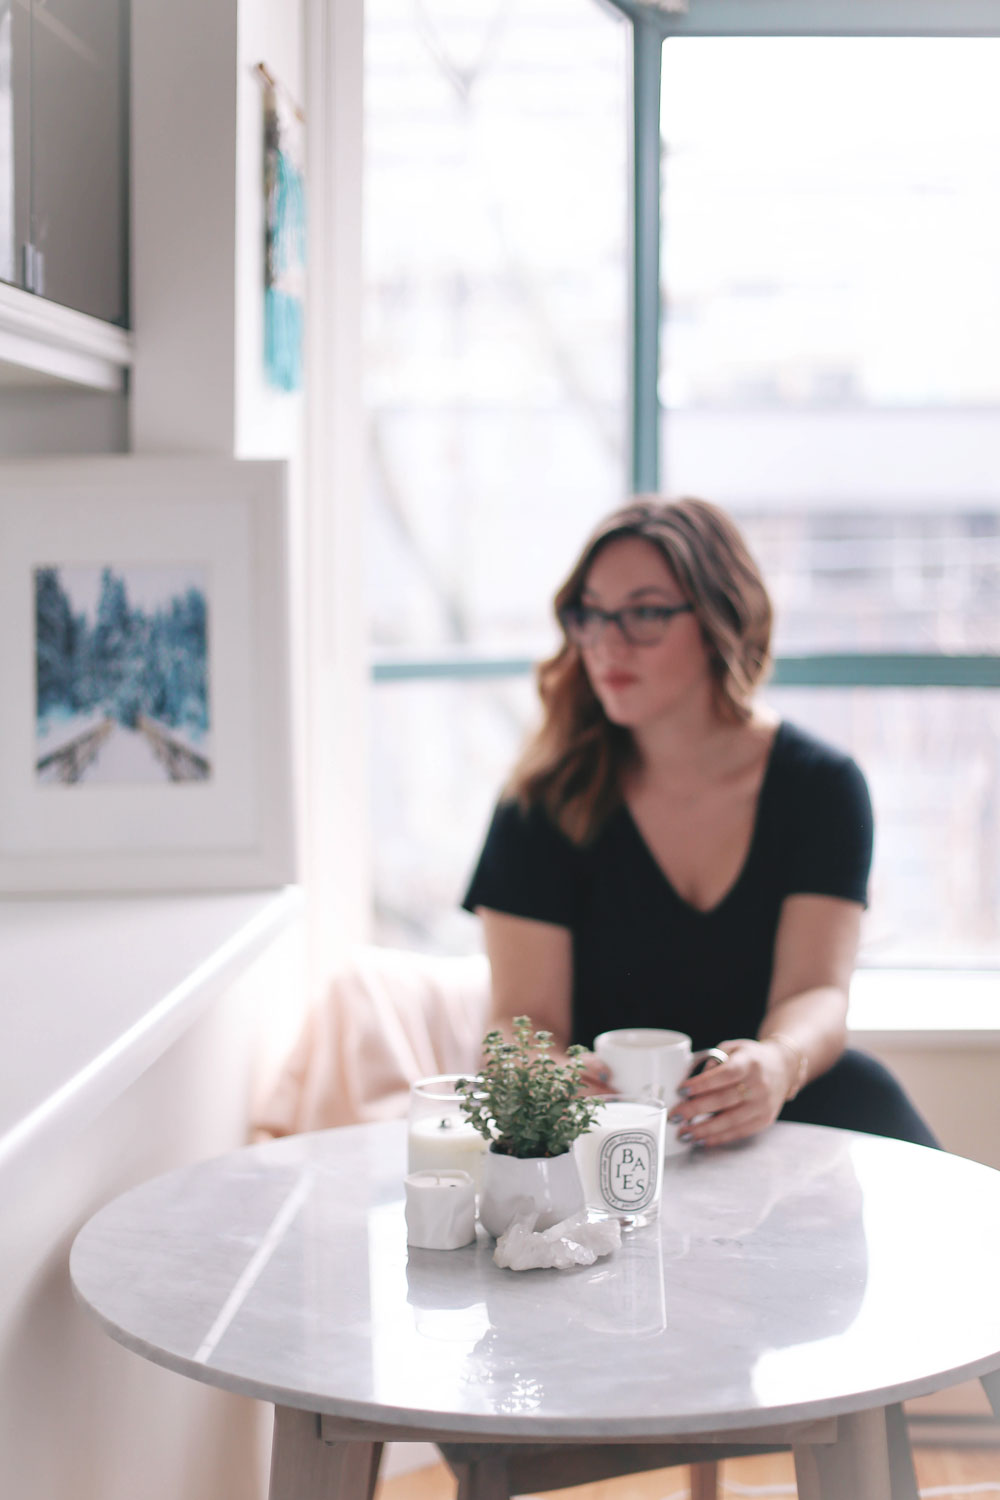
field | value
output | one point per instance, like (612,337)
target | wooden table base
(839,1458)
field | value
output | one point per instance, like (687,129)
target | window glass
(831,321)
(496,305)
(881,580)
(832,222)
(441,750)
(932,759)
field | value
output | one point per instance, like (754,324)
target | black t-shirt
(642,955)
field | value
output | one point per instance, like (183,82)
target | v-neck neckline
(737,881)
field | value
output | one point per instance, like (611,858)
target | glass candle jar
(440,1137)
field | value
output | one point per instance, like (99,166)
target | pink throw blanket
(388,1017)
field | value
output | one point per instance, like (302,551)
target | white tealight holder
(440,1210)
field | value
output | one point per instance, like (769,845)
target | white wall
(183,160)
(80,1416)
(35,422)
(956,1088)
(338,866)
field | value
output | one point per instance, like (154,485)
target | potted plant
(530,1109)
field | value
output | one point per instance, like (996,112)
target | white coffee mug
(646,1061)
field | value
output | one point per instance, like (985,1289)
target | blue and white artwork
(284,242)
(121,668)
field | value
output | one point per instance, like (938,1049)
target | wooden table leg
(991,1385)
(303,1467)
(855,1467)
(704,1481)
(902,1476)
(482,1478)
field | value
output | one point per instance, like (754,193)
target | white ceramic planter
(551,1184)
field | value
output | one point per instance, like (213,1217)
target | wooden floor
(941,1473)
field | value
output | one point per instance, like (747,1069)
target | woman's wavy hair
(574,763)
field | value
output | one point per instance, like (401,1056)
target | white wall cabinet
(64,155)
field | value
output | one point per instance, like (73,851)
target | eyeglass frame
(665,612)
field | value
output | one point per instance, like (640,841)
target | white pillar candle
(445,1143)
(440,1210)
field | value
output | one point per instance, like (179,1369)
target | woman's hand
(740,1096)
(814,954)
(596,1075)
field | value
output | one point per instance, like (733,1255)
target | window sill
(931,1009)
(43,345)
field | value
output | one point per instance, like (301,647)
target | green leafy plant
(522,1101)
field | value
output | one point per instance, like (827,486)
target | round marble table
(794,1287)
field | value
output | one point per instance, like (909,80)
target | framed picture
(144,675)
(284,235)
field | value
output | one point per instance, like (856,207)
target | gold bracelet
(801,1061)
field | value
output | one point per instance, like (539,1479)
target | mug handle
(701,1060)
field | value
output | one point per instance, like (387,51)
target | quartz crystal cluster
(576,1241)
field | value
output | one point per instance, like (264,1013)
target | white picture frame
(162,530)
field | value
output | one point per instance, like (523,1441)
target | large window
(822,251)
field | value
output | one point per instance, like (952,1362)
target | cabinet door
(79,171)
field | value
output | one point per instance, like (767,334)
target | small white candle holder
(440,1210)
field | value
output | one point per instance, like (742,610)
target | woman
(669,854)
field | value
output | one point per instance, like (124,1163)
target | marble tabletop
(806,1273)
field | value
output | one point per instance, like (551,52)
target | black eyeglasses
(640,624)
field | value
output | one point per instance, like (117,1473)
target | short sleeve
(527,868)
(832,833)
